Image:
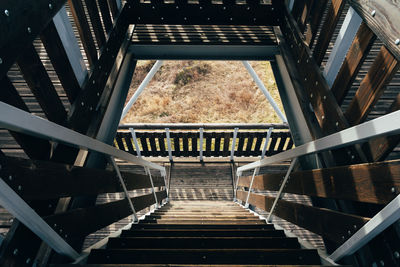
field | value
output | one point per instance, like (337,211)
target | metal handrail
(386,125)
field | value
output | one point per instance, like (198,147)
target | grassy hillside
(203,91)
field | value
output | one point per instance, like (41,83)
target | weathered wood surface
(46,180)
(371,182)
(327,223)
(384,21)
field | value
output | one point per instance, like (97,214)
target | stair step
(204,226)
(205,256)
(202,233)
(202,243)
(205,221)
(183,265)
(205,216)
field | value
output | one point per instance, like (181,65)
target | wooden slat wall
(217,144)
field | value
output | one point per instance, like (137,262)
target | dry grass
(203,91)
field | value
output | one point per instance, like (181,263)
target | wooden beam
(60,61)
(328,28)
(35,148)
(34,180)
(77,223)
(113,7)
(382,17)
(21,22)
(41,86)
(105,14)
(82,24)
(333,225)
(96,22)
(316,15)
(372,86)
(355,57)
(371,182)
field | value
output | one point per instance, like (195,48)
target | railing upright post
(169,144)
(135,142)
(152,187)
(264,150)
(121,180)
(235,132)
(250,187)
(201,143)
(280,192)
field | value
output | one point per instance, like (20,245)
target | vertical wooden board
(93,12)
(174,144)
(120,143)
(260,136)
(161,142)
(249,146)
(284,136)
(141,138)
(41,86)
(227,139)
(372,86)
(85,34)
(270,148)
(185,140)
(60,61)
(129,142)
(217,145)
(105,14)
(34,147)
(153,146)
(195,151)
(208,138)
(328,29)
(355,57)
(241,136)
(290,144)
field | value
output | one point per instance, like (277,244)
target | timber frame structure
(65,72)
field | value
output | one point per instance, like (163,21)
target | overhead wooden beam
(41,86)
(328,28)
(371,182)
(77,223)
(382,17)
(333,225)
(159,12)
(20,22)
(34,147)
(372,86)
(355,57)
(34,180)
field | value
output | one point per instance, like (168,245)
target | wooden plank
(41,180)
(93,12)
(41,86)
(195,151)
(113,8)
(185,140)
(227,138)
(372,86)
(383,22)
(379,148)
(316,15)
(241,137)
(152,141)
(70,225)
(118,138)
(250,140)
(60,61)
(217,145)
(208,138)
(355,57)
(161,141)
(328,29)
(105,14)
(34,147)
(85,34)
(210,14)
(333,225)
(271,147)
(129,142)
(14,26)
(142,138)
(370,182)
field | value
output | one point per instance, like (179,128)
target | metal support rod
(382,220)
(14,204)
(141,87)
(201,144)
(169,144)
(152,188)
(235,132)
(250,187)
(264,150)
(122,182)
(280,192)
(135,142)
(260,85)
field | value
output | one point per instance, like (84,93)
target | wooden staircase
(199,233)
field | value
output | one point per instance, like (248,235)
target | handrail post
(139,154)
(169,144)
(250,187)
(121,180)
(264,150)
(280,192)
(235,132)
(152,188)
(201,144)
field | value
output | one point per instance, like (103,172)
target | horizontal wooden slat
(384,21)
(25,20)
(47,180)
(371,182)
(333,225)
(81,222)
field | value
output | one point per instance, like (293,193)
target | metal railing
(20,121)
(204,140)
(385,125)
